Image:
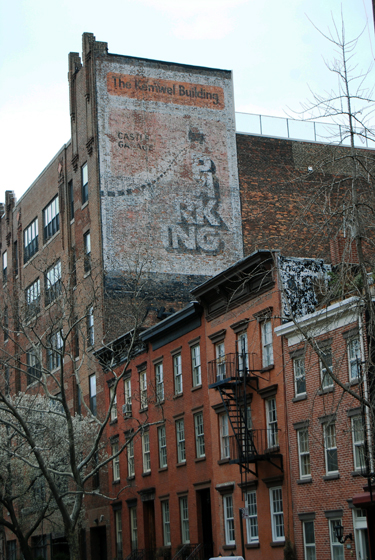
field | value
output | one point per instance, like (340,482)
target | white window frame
(54,357)
(354,358)
(299,375)
(51,217)
(177,373)
(30,241)
(32,297)
(52,281)
(252,532)
(114,405)
(309,546)
(118,533)
(326,379)
(180,439)
(330,446)
(337,548)
(360,533)
(199,435)
(87,251)
(92,394)
(133,528)
(85,181)
(5,267)
(303,453)
(272,429)
(159,381)
(115,462)
(184,516)
(229,520)
(90,327)
(358,438)
(277,514)
(128,396)
(143,389)
(267,343)
(166,523)
(196,365)
(162,442)
(220,361)
(130,454)
(224,436)
(146,456)
(242,345)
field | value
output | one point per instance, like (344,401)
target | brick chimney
(343,250)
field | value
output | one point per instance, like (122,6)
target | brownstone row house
(156,195)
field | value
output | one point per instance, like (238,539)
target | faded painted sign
(168,166)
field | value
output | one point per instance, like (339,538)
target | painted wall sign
(168,167)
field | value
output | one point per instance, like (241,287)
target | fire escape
(233,377)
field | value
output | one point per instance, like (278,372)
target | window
(354,357)
(128,397)
(196,364)
(15,246)
(92,390)
(85,183)
(133,528)
(52,282)
(224,436)
(246,431)
(162,447)
(326,379)
(118,529)
(303,453)
(113,395)
(299,376)
(242,349)
(361,534)
(34,371)
(267,349)
(39,547)
(32,296)
(115,463)
(90,326)
(30,240)
(5,266)
(358,443)
(177,372)
(252,517)
(54,351)
(51,219)
(228,520)
(11,550)
(272,431)
(143,389)
(309,540)
(330,448)
(180,435)
(146,452)
(184,513)
(71,199)
(166,523)
(130,450)
(87,251)
(73,277)
(5,323)
(337,549)
(199,435)
(277,516)
(159,382)
(220,361)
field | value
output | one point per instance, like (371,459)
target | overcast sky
(273,49)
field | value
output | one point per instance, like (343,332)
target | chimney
(343,250)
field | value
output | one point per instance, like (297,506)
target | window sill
(84,204)
(132,477)
(229,547)
(183,464)
(30,259)
(148,473)
(275,544)
(306,480)
(252,545)
(352,382)
(196,387)
(334,476)
(87,274)
(273,449)
(200,459)
(163,469)
(223,461)
(179,395)
(113,422)
(48,241)
(326,390)
(267,368)
(72,221)
(356,473)
(144,409)
(301,397)
(114,482)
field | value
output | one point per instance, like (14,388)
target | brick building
(154,178)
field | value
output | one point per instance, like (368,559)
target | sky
(275,52)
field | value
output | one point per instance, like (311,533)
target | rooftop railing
(310,131)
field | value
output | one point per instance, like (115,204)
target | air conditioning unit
(127,409)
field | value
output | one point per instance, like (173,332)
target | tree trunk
(73,542)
